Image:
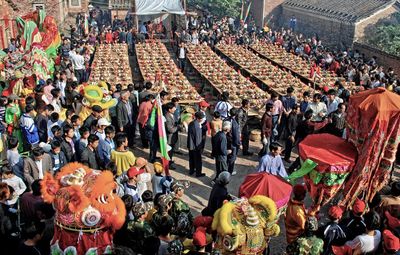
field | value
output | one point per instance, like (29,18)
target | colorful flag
(86,25)
(241,11)
(164,147)
(248,11)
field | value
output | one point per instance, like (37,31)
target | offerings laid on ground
(40,40)
(296,64)
(224,78)
(157,66)
(111,63)
(243,226)
(272,76)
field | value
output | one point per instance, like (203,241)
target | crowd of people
(158,220)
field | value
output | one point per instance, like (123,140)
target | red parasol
(374,128)
(335,158)
(268,185)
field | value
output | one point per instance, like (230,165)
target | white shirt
(333,106)
(181,52)
(18,185)
(317,108)
(78,62)
(223,108)
(365,242)
(39,165)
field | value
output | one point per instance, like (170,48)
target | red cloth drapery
(374,128)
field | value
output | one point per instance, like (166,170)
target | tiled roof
(343,10)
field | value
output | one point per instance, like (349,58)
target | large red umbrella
(268,185)
(374,128)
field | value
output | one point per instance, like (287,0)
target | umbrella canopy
(268,185)
(331,153)
(335,158)
(374,128)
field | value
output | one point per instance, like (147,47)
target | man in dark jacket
(291,126)
(218,195)
(337,121)
(125,116)
(220,148)
(67,143)
(95,115)
(57,156)
(194,145)
(234,143)
(333,233)
(89,155)
(41,122)
(171,128)
(242,118)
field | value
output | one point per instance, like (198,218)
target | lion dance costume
(245,226)
(87,210)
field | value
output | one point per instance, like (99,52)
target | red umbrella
(268,185)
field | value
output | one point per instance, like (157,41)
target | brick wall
(272,11)
(383,58)
(266,11)
(331,32)
(56,8)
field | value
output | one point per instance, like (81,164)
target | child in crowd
(161,183)
(14,158)
(15,182)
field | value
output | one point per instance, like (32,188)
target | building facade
(338,23)
(266,12)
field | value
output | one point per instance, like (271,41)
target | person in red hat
(130,187)
(391,222)
(355,225)
(391,243)
(333,233)
(205,125)
(199,241)
(295,219)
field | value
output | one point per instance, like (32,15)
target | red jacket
(266,125)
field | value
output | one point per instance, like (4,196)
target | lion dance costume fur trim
(245,226)
(87,210)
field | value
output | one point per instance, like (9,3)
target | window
(38,7)
(74,3)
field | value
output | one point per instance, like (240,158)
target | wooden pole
(135,17)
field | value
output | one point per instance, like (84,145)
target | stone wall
(332,32)
(383,58)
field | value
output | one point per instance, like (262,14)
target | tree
(386,38)
(220,8)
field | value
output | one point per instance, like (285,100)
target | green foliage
(386,38)
(220,8)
